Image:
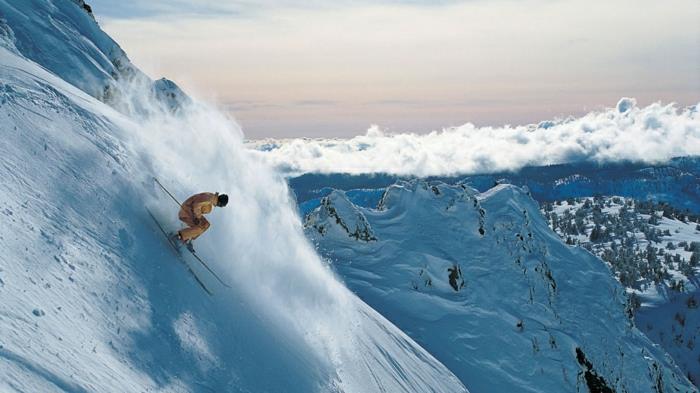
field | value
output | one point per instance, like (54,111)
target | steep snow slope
(675,325)
(655,257)
(92,296)
(482,282)
(64,37)
(61,38)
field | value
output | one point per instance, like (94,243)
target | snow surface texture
(667,235)
(651,134)
(668,317)
(676,327)
(66,40)
(481,281)
(93,298)
(668,313)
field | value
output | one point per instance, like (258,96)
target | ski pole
(168,192)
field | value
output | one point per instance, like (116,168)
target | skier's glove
(197,221)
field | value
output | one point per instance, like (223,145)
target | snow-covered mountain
(67,41)
(676,181)
(646,243)
(93,299)
(482,282)
(671,189)
(654,250)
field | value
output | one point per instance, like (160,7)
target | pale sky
(332,68)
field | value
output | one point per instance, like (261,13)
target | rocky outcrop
(337,213)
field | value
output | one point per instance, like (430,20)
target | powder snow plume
(260,248)
(653,134)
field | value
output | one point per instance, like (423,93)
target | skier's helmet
(222,201)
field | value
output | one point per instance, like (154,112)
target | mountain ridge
(482,282)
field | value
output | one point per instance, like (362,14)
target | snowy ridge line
(481,281)
(650,134)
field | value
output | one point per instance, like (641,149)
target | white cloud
(651,134)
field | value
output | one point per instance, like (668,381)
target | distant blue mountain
(676,182)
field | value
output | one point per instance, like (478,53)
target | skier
(192,213)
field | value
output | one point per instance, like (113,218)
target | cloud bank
(653,134)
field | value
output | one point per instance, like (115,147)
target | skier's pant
(194,230)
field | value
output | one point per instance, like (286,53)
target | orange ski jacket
(200,204)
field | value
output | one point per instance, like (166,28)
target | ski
(194,254)
(177,251)
(199,259)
